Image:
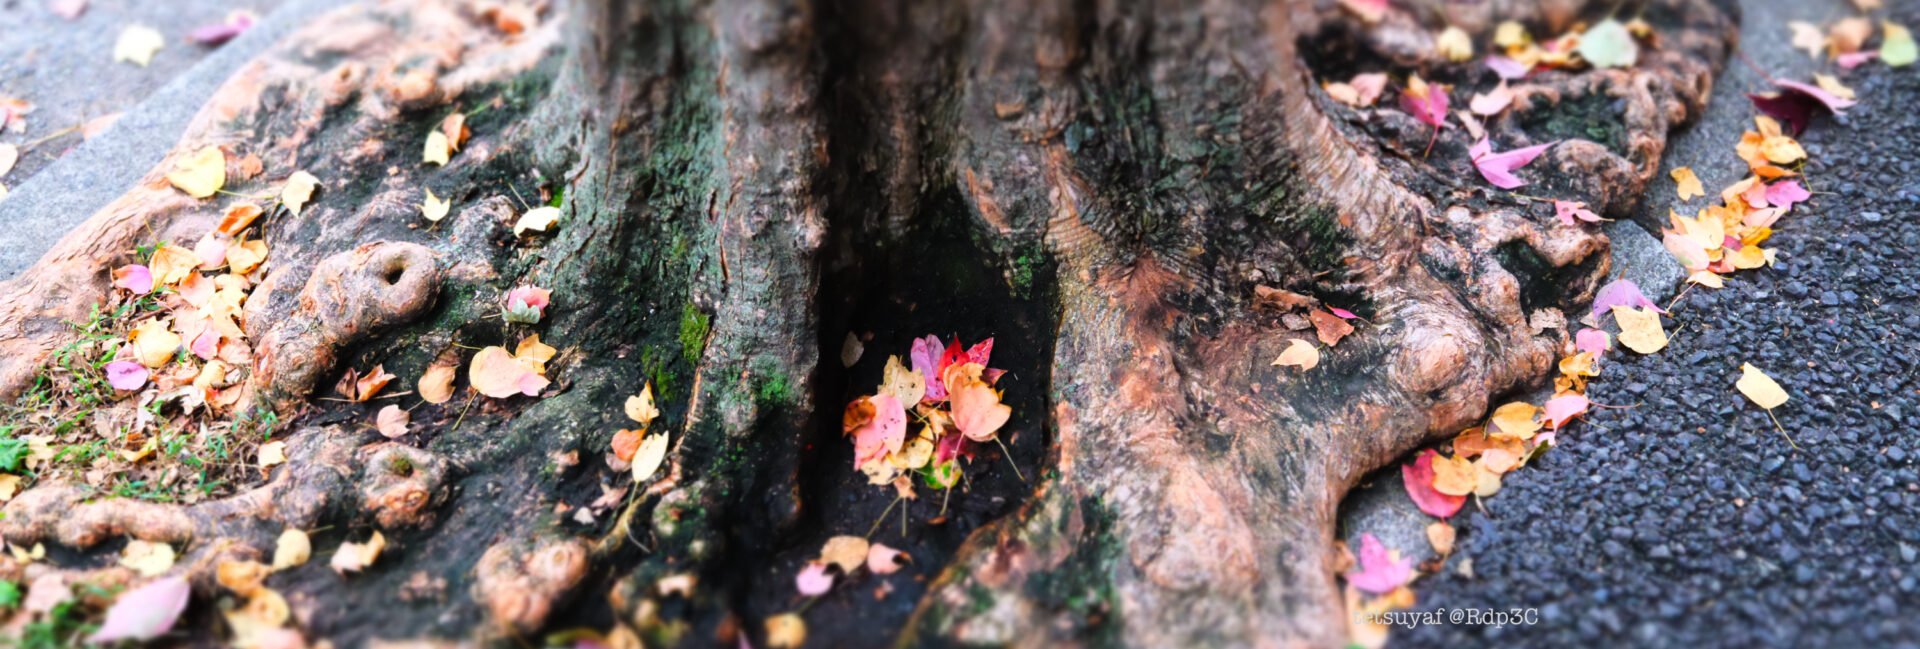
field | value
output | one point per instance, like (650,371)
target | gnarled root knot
(329,478)
(350,296)
(521,582)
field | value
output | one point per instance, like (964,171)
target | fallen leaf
(145,612)
(137,45)
(1516,419)
(238,217)
(293,548)
(272,453)
(1426,102)
(1759,387)
(1687,184)
(1594,341)
(1835,104)
(436,384)
(454,128)
(640,407)
(1608,44)
(977,411)
(434,208)
(1381,570)
(1621,292)
(786,630)
(147,558)
(1559,410)
(1847,35)
(1807,36)
(537,219)
(1329,327)
(392,421)
(883,560)
(437,150)
(1491,102)
(68,9)
(1833,86)
(626,443)
(1486,482)
(1706,278)
(355,557)
(906,385)
(1507,68)
(153,343)
(1453,476)
(648,457)
(1498,168)
(137,279)
(126,375)
(1418,477)
(527,304)
(1441,536)
(357,387)
(1785,193)
(814,579)
(1497,460)
(215,34)
(1454,44)
(1640,329)
(1896,45)
(847,552)
(498,374)
(200,174)
(1299,353)
(298,190)
(1571,212)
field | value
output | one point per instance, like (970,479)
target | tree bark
(1101,184)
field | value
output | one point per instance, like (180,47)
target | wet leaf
(293,548)
(1785,193)
(1760,388)
(1621,292)
(298,190)
(1381,570)
(1640,329)
(436,384)
(1299,353)
(1570,212)
(145,612)
(200,174)
(137,44)
(882,430)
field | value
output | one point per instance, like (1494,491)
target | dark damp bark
(1100,186)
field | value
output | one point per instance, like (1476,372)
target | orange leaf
(977,411)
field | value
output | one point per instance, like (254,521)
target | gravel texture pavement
(1686,519)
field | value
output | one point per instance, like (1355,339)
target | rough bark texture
(1103,183)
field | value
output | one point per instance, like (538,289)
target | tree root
(349,297)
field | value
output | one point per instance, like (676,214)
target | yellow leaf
(436,384)
(9,154)
(1515,419)
(640,407)
(1453,475)
(1299,353)
(1640,328)
(171,263)
(245,255)
(903,383)
(1807,37)
(354,557)
(1454,44)
(292,549)
(9,486)
(534,353)
(242,577)
(917,453)
(148,559)
(272,453)
(137,45)
(298,190)
(437,151)
(200,174)
(1833,86)
(154,343)
(537,219)
(454,128)
(1706,278)
(1441,535)
(1511,34)
(1689,184)
(786,631)
(1486,483)
(435,208)
(647,459)
(848,552)
(1759,387)
(1580,364)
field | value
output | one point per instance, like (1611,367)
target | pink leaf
(952,446)
(126,375)
(1492,102)
(813,579)
(1431,110)
(1418,476)
(926,359)
(980,352)
(1507,68)
(145,612)
(222,32)
(1853,60)
(1379,573)
(1570,210)
(1343,313)
(1621,292)
(1560,409)
(1498,168)
(1756,195)
(1593,340)
(1763,217)
(884,434)
(1785,194)
(1828,99)
(135,278)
